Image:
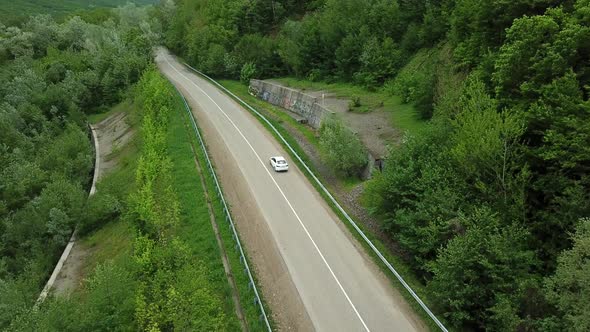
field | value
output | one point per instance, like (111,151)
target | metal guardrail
(332,199)
(228,217)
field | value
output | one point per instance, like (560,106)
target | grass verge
(397,262)
(195,228)
(112,242)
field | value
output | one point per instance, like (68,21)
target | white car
(279,164)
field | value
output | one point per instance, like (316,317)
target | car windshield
(281,162)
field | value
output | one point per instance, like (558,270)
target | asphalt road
(341,289)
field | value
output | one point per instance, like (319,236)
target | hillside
(11,10)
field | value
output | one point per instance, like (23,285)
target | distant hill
(11,10)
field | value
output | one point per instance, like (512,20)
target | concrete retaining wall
(292,100)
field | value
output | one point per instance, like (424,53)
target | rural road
(339,287)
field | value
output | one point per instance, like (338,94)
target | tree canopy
(54,74)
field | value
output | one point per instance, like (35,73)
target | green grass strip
(202,237)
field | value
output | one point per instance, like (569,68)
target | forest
(490,203)
(153,262)
(14,12)
(54,75)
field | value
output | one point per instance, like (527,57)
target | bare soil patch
(113,134)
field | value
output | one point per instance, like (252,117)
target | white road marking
(282,193)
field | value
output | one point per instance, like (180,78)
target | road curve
(340,287)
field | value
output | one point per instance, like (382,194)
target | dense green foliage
(173,292)
(484,200)
(57,74)
(195,222)
(13,12)
(107,304)
(53,75)
(161,284)
(569,288)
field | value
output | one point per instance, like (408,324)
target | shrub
(248,72)
(415,87)
(100,209)
(107,304)
(314,75)
(341,148)
(355,101)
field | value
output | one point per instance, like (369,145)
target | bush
(355,101)
(341,148)
(415,85)
(174,292)
(107,304)
(100,209)
(248,71)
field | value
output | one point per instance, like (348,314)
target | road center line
(280,190)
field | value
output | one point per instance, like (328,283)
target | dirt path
(112,134)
